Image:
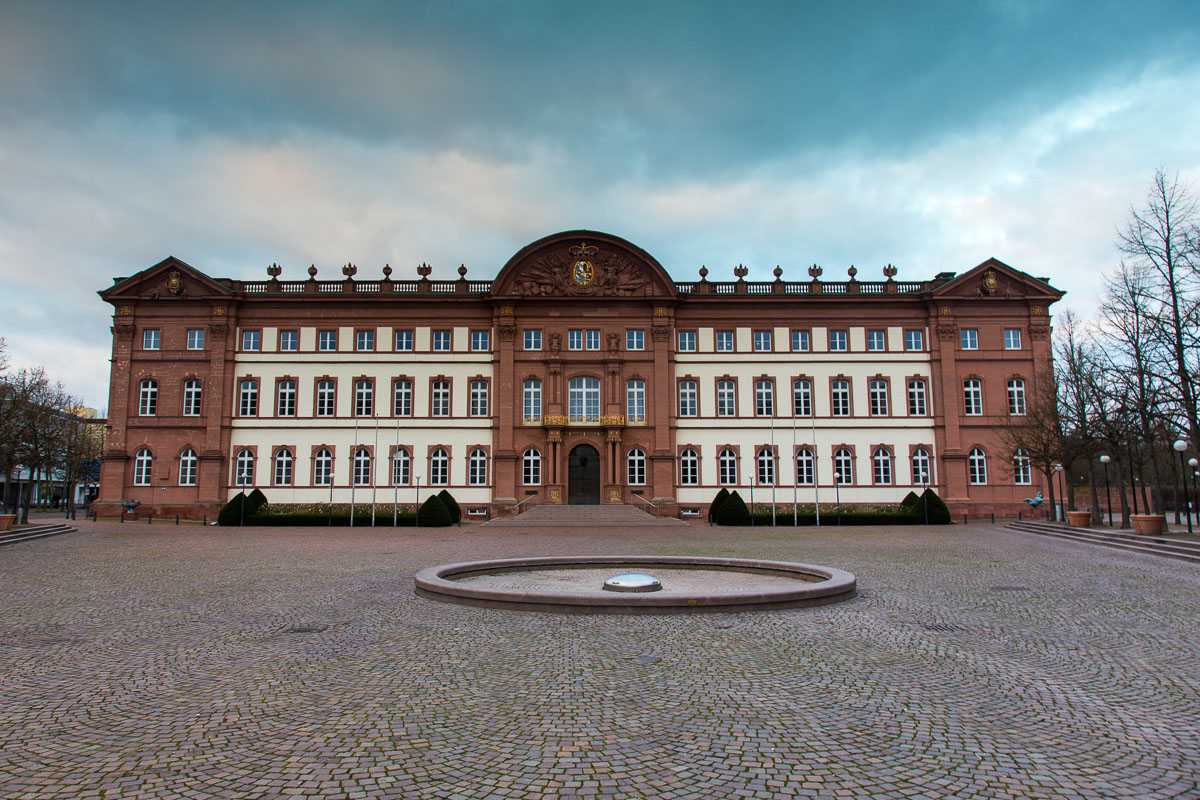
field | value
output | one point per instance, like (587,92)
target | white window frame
(439,468)
(148,398)
(689,468)
(404,340)
(724,341)
(143,467)
(532,338)
(878,404)
(1016,397)
(765,467)
(289,341)
(977,467)
(531,401)
(806,465)
(284,464)
(764,398)
(763,342)
(843,465)
(635,339)
(973,397)
(914,341)
(152,339)
(1012,338)
(726,398)
(918,398)
(839,341)
(481,341)
(402,398)
(442,341)
(635,463)
(881,462)
(922,472)
(195,339)
(689,398)
(364,341)
(477,471)
(840,401)
(364,397)
(326,398)
(876,341)
(727,467)
(531,467)
(635,401)
(479,398)
(188,467)
(248,397)
(686,341)
(285,401)
(251,341)
(362,469)
(401,468)
(323,467)
(969,338)
(327,341)
(801,341)
(439,398)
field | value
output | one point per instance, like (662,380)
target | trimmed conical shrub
(733,511)
(433,513)
(911,502)
(231,512)
(256,502)
(939,514)
(451,505)
(715,505)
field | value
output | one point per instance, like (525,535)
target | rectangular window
(635,339)
(916,399)
(148,399)
(364,341)
(802,398)
(248,399)
(283,468)
(1012,338)
(726,399)
(764,398)
(973,397)
(441,341)
(1016,397)
(841,398)
(876,341)
(192,390)
(289,341)
(914,340)
(402,397)
(687,341)
(251,341)
(837,341)
(151,339)
(635,401)
(479,398)
(533,339)
(575,339)
(800,342)
(404,341)
(532,401)
(326,396)
(724,341)
(593,339)
(327,340)
(970,339)
(195,339)
(878,398)
(364,398)
(285,405)
(481,341)
(439,402)
(762,341)
(687,398)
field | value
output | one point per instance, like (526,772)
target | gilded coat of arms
(174,282)
(990,284)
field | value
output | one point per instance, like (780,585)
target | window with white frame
(805,467)
(1012,338)
(404,341)
(727,471)
(689,468)
(283,468)
(838,341)
(635,400)
(148,398)
(151,339)
(583,399)
(970,338)
(636,467)
(914,340)
(479,399)
(243,474)
(143,464)
(764,398)
(401,468)
(882,462)
(285,403)
(481,341)
(688,399)
(766,467)
(877,397)
(289,341)
(802,397)
(195,339)
(441,341)
(921,474)
(532,401)
(364,341)
(917,405)
(323,468)
(1016,397)
(402,398)
(801,342)
(876,341)
(977,466)
(531,467)
(187,467)
(687,341)
(726,399)
(762,342)
(840,397)
(439,468)
(533,339)
(439,399)
(251,340)
(1022,468)
(327,340)
(843,466)
(973,397)
(575,339)
(248,398)
(193,393)
(362,467)
(477,468)
(592,339)
(364,398)
(635,339)
(724,341)
(326,397)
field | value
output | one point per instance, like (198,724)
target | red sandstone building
(583,373)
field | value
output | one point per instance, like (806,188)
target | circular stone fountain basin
(573,584)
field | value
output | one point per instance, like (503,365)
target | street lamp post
(417,507)
(1062,496)
(752,499)
(242,483)
(1104,459)
(1181,445)
(1193,463)
(837,489)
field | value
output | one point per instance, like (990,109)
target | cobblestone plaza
(163,662)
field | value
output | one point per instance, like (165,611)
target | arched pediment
(583,264)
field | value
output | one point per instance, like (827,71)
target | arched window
(533,401)
(805,467)
(477,468)
(921,475)
(583,399)
(727,471)
(973,397)
(285,400)
(635,401)
(766,467)
(636,464)
(1016,397)
(401,468)
(531,468)
(843,466)
(977,466)
(142,463)
(840,397)
(192,392)
(243,474)
(283,468)
(877,396)
(148,399)
(248,398)
(882,463)
(187,467)
(323,468)
(1022,469)
(479,399)
(689,468)
(362,467)
(439,468)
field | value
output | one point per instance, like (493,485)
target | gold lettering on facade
(944,311)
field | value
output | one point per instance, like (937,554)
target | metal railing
(517,508)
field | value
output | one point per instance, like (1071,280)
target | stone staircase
(1121,540)
(602,516)
(32,532)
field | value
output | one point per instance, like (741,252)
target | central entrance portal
(583,476)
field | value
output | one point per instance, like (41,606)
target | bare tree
(1039,433)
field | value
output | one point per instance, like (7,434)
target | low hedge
(830,517)
(309,519)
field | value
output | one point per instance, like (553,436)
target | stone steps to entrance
(602,516)
(1150,545)
(33,532)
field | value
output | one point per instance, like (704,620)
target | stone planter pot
(1148,524)
(7,521)
(1079,519)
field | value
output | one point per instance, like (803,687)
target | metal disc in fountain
(632,582)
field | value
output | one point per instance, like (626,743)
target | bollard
(964,518)
(149,517)
(1019,516)
(993,517)
(176,519)
(122,514)
(206,520)
(93,515)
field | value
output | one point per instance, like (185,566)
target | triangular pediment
(169,278)
(994,278)
(583,264)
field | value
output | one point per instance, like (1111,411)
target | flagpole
(374,461)
(395,477)
(812,408)
(353,447)
(795,467)
(775,475)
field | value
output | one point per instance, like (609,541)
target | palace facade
(583,373)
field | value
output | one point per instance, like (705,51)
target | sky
(932,136)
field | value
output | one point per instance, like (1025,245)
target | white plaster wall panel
(820,339)
(460,339)
(743,340)
(385,339)
(421,338)
(895,339)
(705,340)
(858,339)
(308,339)
(270,339)
(345,339)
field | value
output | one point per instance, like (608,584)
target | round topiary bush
(451,505)
(433,513)
(715,505)
(733,511)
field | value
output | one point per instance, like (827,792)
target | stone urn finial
(703,273)
(889,272)
(852,272)
(274,271)
(349,271)
(424,271)
(387,272)
(741,272)
(815,272)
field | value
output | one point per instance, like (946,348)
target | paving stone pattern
(185,662)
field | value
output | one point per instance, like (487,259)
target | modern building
(582,373)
